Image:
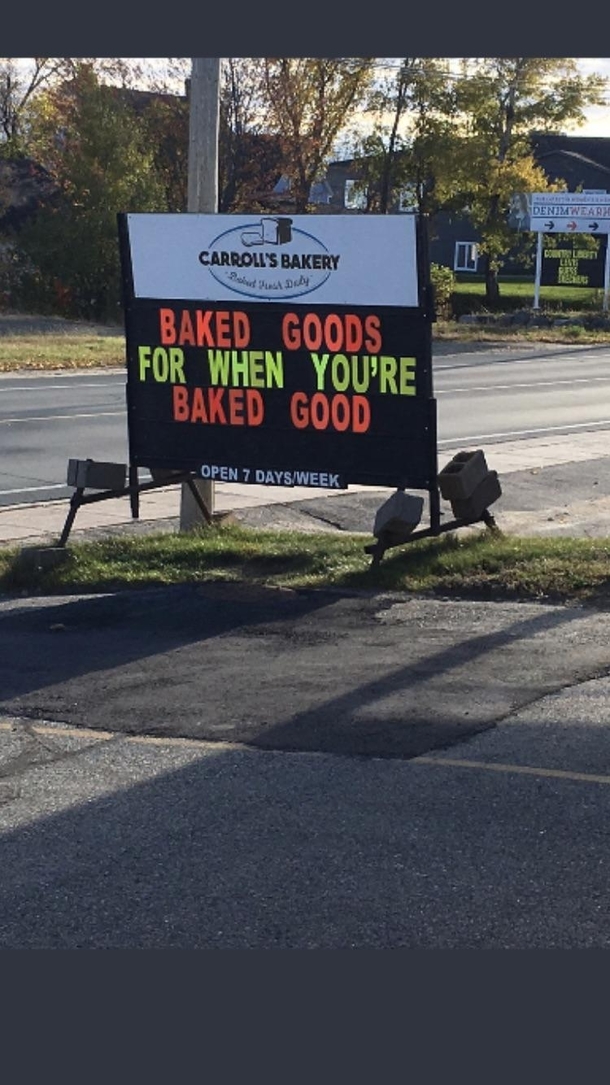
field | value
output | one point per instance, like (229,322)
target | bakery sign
(282,350)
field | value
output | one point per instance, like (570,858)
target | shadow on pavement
(359,675)
(243,850)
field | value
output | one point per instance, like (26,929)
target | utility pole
(204,107)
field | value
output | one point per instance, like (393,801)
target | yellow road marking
(51,729)
(452,762)
(524,770)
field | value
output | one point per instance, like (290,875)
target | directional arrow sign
(581,212)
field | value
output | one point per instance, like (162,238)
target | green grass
(475,564)
(507,335)
(61,351)
(523,289)
(80,350)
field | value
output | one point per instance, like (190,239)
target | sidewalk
(538,498)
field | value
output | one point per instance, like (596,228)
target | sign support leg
(607,276)
(538,272)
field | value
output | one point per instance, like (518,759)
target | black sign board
(573,262)
(254,355)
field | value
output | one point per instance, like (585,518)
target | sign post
(538,272)
(204,120)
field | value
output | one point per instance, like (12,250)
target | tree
(409,146)
(249,157)
(98,154)
(22,79)
(306,104)
(500,102)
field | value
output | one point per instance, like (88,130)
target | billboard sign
(573,264)
(280,350)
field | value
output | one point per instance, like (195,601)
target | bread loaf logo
(269,258)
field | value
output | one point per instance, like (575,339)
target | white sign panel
(570,212)
(320,259)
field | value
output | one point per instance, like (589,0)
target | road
(483,397)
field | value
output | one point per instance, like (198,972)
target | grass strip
(475,565)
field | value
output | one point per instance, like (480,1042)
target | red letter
(241,329)
(312,331)
(362,414)
(353,332)
(198,412)
(333,327)
(222,329)
(204,333)
(290,332)
(187,335)
(181,403)
(299,415)
(236,406)
(340,412)
(215,405)
(320,411)
(372,327)
(168,326)
(255,407)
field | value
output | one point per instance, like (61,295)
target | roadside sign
(574,264)
(280,350)
(569,212)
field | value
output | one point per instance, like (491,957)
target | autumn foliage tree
(307,102)
(99,156)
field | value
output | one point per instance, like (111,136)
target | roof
(24,186)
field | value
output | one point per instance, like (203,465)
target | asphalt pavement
(224,766)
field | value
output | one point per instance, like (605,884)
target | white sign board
(309,259)
(569,212)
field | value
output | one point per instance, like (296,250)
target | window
(407,199)
(466,256)
(354,198)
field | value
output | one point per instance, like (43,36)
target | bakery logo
(269,258)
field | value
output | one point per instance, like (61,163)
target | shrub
(443,284)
